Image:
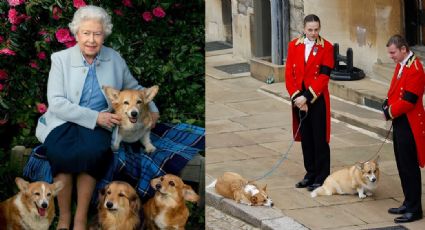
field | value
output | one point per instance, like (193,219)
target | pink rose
(147,16)
(13,28)
(158,12)
(33,64)
(47,39)
(118,12)
(14,18)
(63,35)
(1,39)
(56,12)
(41,55)
(41,107)
(79,3)
(3,74)
(127,3)
(70,43)
(7,51)
(15,2)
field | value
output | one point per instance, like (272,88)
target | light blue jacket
(65,85)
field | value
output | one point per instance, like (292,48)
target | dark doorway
(226,12)
(411,21)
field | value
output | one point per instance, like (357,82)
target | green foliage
(166,51)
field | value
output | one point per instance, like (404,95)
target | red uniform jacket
(315,75)
(405,97)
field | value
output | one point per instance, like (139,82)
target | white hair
(91,12)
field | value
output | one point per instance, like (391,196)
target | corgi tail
(212,185)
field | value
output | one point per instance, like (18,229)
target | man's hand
(108,120)
(300,101)
(155,117)
(304,108)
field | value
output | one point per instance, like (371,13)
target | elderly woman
(75,128)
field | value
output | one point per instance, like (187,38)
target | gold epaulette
(300,40)
(410,61)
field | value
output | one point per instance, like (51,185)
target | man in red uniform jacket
(404,107)
(308,67)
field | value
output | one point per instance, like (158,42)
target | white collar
(308,41)
(407,58)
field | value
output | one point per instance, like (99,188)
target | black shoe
(408,217)
(313,187)
(399,210)
(304,183)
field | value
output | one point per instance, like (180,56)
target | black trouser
(407,164)
(315,148)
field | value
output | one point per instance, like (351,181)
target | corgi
(361,178)
(118,208)
(167,208)
(33,208)
(233,186)
(136,120)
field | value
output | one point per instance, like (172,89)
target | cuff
(295,95)
(310,95)
(387,113)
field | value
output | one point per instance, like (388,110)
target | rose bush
(161,41)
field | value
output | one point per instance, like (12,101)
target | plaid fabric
(176,144)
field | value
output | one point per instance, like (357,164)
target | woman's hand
(108,120)
(155,117)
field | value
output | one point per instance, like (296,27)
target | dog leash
(284,155)
(382,145)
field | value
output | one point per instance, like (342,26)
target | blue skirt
(71,148)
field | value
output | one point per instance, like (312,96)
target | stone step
(367,91)
(352,113)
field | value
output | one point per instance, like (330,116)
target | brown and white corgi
(361,179)
(167,209)
(33,208)
(119,207)
(233,186)
(136,120)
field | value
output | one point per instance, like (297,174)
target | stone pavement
(248,126)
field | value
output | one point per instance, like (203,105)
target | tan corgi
(136,120)
(361,178)
(233,186)
(33,208)
(167,209)
(119,207)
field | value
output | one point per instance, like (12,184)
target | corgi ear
(149,93)
(101,198)
(376,160)
(189,194)
(111,93)
(265,188)
(21,183)
(135,203)
(57,186)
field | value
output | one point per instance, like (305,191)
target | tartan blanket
(176,144)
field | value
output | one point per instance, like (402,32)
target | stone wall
(242,12)
(296,19)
